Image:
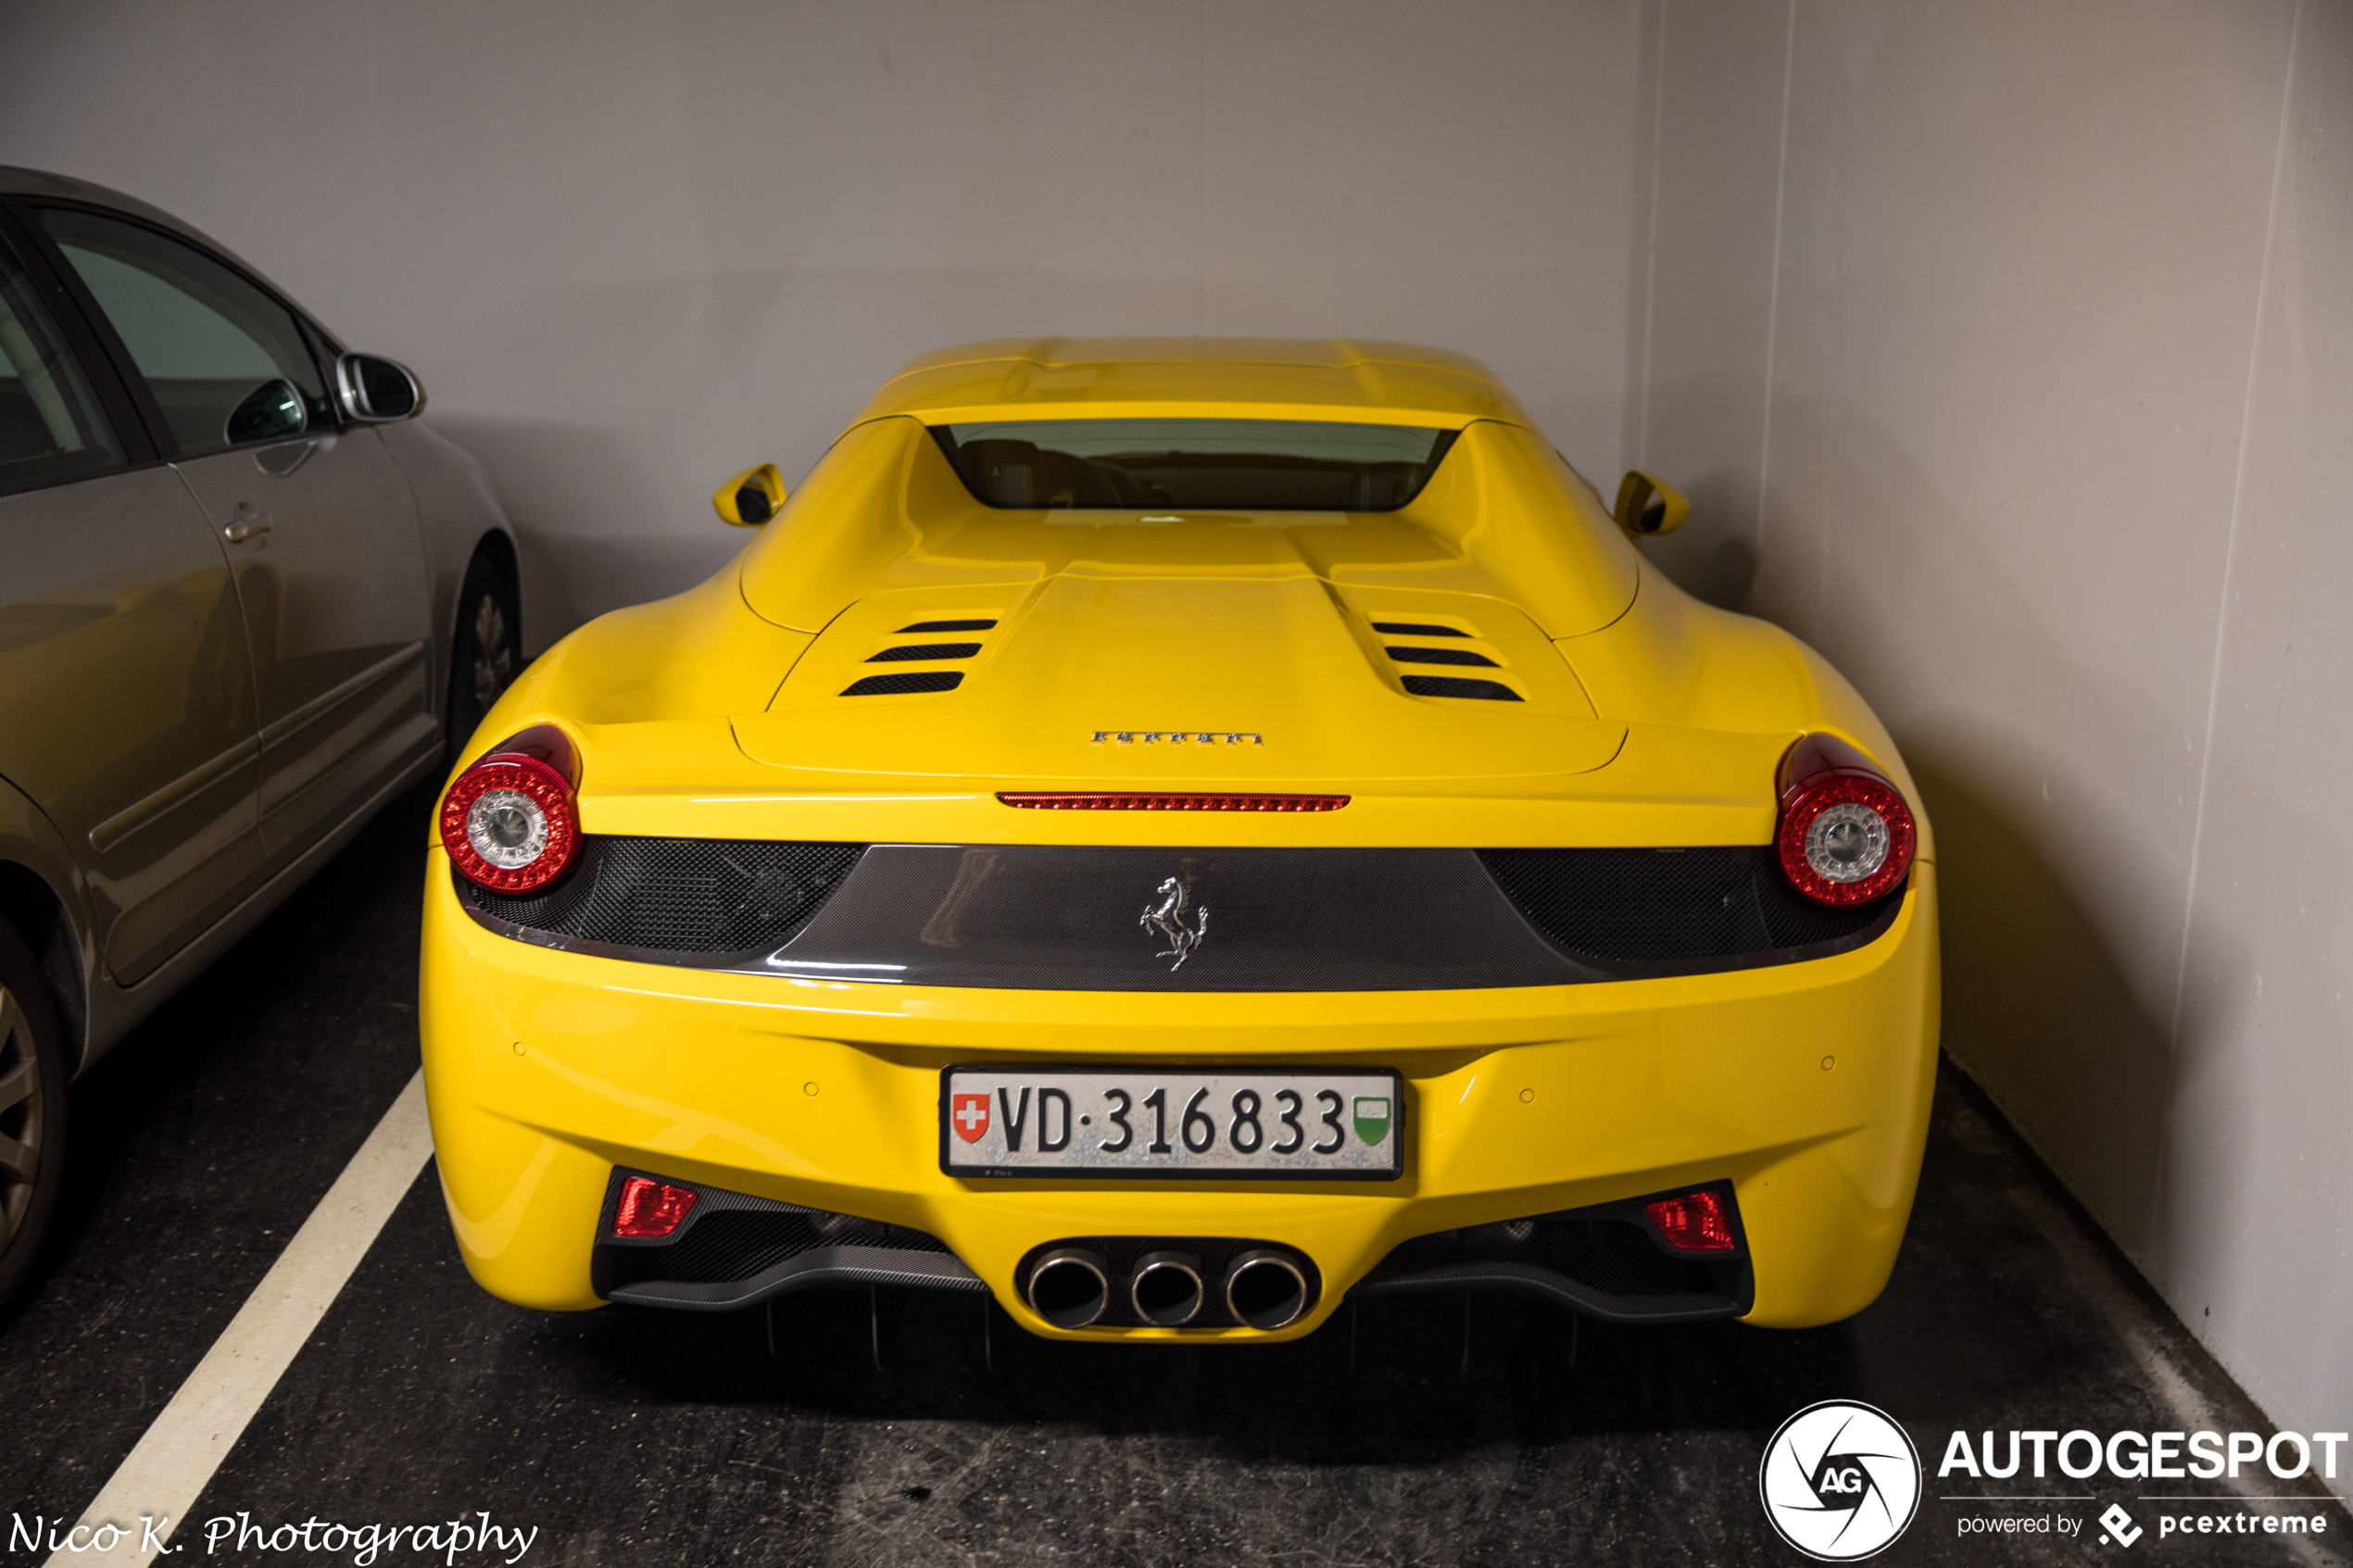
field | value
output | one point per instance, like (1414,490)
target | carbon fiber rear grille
(1046,917)
(715,897)
(1673,907)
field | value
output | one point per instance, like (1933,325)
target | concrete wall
(2007,350)
(633,247)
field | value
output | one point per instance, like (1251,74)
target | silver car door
(126,696)
(319,523)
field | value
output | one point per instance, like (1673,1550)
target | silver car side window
(50,431)
(203,338)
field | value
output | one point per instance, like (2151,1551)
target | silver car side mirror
(375,391)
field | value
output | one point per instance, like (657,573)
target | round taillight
(512,822)
(1845,835)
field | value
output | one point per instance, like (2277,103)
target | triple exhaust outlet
(1262,1287)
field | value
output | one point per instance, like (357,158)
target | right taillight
(1697,1221)
(1845,834)
(511,822)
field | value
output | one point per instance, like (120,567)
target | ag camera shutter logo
(1840,1481)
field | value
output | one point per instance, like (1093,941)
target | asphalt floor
(907,1429)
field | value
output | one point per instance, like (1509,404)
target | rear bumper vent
(1606,1261)
(905,682)
(734,1250)
(1450,686)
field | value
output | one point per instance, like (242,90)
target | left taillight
(1847,833)
(511,822)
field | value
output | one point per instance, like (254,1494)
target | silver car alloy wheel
(21,1115)
(494,661)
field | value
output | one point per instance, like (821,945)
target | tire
(34,1072)
(486,654)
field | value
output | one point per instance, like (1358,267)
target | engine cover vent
(909,653)
(904,682)
(1440,655)
(1450,686)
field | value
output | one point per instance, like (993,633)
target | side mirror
(1648,506)
(377,391)
(751,497)
(271,412)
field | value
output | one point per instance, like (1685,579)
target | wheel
(32,1110)
(487,651)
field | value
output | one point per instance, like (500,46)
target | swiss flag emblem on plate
(969,1115)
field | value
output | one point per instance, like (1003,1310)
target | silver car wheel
(21,1115)
(493,660)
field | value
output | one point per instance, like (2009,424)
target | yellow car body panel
(1197,378)
(1644,719)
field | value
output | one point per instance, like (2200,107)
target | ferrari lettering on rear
(1177,737)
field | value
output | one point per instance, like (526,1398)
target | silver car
(245,599)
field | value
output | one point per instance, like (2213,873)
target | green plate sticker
(1372,1118)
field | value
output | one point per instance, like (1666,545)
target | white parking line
(187,1442)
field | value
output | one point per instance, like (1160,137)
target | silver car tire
(486,654)
(33,1111)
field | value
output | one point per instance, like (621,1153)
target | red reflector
(1057,801)
(650,1208)
(1693,1223)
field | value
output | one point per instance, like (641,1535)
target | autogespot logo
(1840,1481)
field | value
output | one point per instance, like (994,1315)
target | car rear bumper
(1806,1085)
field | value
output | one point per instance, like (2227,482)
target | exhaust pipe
(1070,1286)
(1265,1287)
(1167,1288)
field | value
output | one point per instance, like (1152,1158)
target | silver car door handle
(245,528)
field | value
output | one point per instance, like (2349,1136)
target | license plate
(1316,1124)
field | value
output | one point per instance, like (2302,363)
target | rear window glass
(1199,465)
(50,429)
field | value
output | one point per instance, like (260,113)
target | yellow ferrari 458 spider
(1176,834)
